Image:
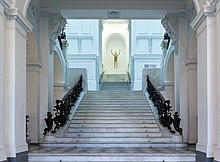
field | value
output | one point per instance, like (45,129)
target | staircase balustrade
(164,108)
(62,109)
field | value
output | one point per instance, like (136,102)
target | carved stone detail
(34,15)
(191,14)
(5,3)
(171,24)
(55,27)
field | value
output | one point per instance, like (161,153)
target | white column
(217,152)
(16,27)
(50,80)
(44,78)
(205,23)
(33,101)
(182,75)
(2,106)
(211,86)
(192,101)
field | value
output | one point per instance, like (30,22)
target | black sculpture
(163,108)
(49,123)
(61,36)
(176,123)
(167,37)
(62,108)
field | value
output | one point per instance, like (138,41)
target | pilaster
(16,26)
(191,69)
(44,72)
(33,101)
(205,23)
(2,105)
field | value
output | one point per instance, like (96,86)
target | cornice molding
(168,83)
(6,3)
(14,14)
(35,65)
(208,10)
(61,84)
(190,62)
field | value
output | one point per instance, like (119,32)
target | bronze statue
(115,54)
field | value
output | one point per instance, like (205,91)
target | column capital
(14,14)
(191,64)
(208,10)
(38,65)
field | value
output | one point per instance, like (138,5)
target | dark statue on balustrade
(61,36)
(62,109)
(164,108)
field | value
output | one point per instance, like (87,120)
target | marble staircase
(114,122)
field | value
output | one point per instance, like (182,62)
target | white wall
(146,37)
(83,50)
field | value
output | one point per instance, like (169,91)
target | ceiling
(106,9)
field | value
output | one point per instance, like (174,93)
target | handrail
(164,108)
(62,109)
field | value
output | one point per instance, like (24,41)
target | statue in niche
(115,55)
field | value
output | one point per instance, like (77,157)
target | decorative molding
(57,23)
(60,85)
(14,14)
(190,62)
(171,24)
(168,83)
(6,3)
(208,10)
(191,13)
(34,65)
(34,15)
(213,2)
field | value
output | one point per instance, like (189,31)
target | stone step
(114,117)
(112,140)
(114,107)
(104,103)
(111,157)
(97,121)
(109,134)
(106,125)
(109,145)
(113,99)
(113,130)
(114,113)
(86,108)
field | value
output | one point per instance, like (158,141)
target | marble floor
(167,153)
